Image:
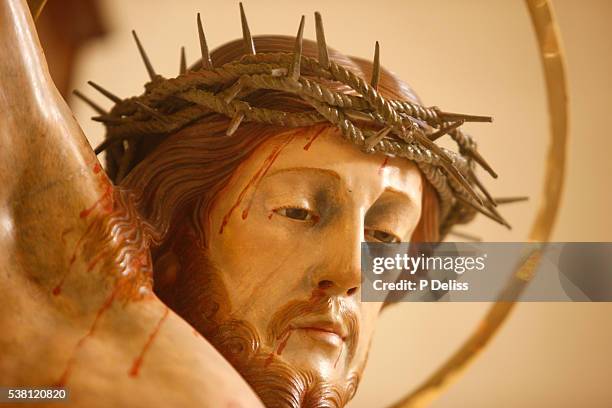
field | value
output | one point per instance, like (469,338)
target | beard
(277,383)
(199,296)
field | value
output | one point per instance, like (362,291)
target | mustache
(332,307)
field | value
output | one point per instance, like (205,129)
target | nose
(333,288)
(341,273)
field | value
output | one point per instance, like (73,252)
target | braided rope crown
(397,128)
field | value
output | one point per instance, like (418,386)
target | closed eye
(297,213)
(380,236)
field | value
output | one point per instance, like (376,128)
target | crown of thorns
(375,124)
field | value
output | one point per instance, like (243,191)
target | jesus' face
(278,283)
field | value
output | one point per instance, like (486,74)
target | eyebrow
(336,176)
(319,170)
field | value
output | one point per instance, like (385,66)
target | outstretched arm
(46,164)
(76,303)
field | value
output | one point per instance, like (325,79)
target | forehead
(326,149)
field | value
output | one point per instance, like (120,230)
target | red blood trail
(254,181)
(105,201)
(138,361)
(383,165)
(105,306)
(313,138)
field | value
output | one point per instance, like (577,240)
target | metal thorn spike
(105,92)
(183,65)
(230,93)
(144,56)
(206,60)
(323,53)
(249,46)
(497,214)
(449,116)
(473,153)
(481,187)
(376,138)
(91,103)
(105,145)
(294,70)
(510,200)
(108,142)
(444,130)
(235,122)
(460,178)
(376,67)
(485,212)
(359,116)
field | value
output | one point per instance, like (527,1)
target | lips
(325,323)
(326,329)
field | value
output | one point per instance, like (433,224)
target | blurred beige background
(473,56)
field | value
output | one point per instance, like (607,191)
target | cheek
(257,241)
(252,246)
(261,264)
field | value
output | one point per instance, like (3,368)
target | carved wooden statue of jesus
(215,260)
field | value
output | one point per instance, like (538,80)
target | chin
(316,352)
(292,378)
